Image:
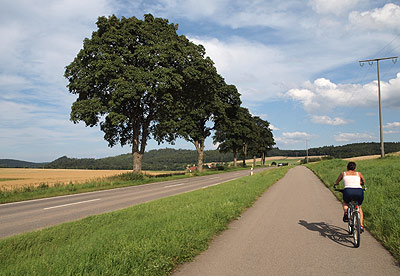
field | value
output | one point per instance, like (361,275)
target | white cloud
(40,39)
(326,120)
(235,14)
(324,95)
(273,128)
(293,137)
(296,135)
(352,137)
(250,66)
(336,7)
(378,19)
(392,128)
(392,125)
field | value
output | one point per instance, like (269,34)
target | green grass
(147,239)
(381,205)
(124,180)
(8,179)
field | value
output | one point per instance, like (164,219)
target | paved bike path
(295,228)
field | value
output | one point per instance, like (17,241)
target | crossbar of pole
(379,98)
(377,59)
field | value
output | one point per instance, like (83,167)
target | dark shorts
(356,194)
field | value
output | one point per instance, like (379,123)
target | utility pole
(370,62)
(307,150)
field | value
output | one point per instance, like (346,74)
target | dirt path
(295,228)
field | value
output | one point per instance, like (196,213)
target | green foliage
(315,159)
(139,79)
(153,160)
(242,133)
(235,132)
(382,199)
(10,163)
(346,151)
(148,239)
(263,140)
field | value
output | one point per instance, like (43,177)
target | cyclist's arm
(340,177)
(362,179)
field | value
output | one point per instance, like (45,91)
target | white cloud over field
(322,94)
(392,128)
(294,137)
(379,18)
(353,137)
(326,120)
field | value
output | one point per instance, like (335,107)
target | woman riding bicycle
(353,182)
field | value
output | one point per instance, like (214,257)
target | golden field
(14,178)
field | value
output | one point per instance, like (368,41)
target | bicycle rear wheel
(350,222)
(356,229)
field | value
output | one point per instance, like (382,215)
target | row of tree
(177,159)
(153,160)
(345,151)
(139,79)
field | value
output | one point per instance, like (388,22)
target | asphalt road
(295,228)
(31,215)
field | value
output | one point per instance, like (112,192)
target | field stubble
(13,178)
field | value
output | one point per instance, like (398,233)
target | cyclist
(353,182)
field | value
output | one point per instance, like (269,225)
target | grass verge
(123,180)
(381,205)
(147,239)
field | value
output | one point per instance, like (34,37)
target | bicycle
(353,213)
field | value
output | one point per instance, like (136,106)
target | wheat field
(13,178)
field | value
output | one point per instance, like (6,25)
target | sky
(295,63)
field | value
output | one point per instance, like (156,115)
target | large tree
(203,100)
(262,139)
(265,139)
(126,76)
(235,134)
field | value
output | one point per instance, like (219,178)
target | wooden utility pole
(371,61)
(307,150)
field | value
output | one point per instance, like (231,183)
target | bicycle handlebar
(341,190)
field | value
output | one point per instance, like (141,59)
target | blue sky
(294,62)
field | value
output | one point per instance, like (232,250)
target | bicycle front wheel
(356,229)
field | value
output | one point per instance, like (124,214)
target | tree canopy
(140,78)
(204,99)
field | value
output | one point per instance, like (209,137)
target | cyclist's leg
(361,218)
(359,194)
(345,204)
(345,208)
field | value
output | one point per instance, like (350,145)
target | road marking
(169,186)
(80,202)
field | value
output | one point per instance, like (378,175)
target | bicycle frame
(353,213)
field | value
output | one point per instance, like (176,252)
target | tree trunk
(244,154)
(137,162)
(235,158)
(263,159)
(200,154)
(136,153)
(254,161)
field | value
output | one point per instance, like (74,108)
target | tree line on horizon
(169,159)
(139,79)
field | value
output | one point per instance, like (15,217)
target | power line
(371,61)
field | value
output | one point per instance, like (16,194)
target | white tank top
(352,181)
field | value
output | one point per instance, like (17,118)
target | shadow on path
(332,232)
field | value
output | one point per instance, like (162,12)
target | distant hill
(155,160)
(177,159)
(10,163)
(346,151)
